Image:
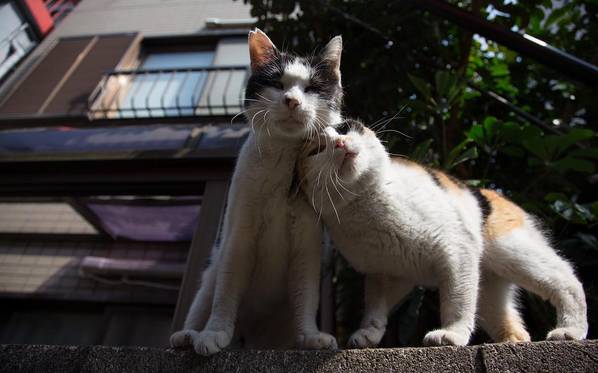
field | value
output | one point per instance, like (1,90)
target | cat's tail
(523,255)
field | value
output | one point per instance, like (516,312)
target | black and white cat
(268,265)
(402,225)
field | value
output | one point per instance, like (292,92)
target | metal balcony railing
(151,93)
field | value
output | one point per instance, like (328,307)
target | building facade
(118,136)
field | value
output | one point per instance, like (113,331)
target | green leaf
(574,164)
(476,133)
(469,154)
(421,151)
(585,153)
(420,85)
(573,136)
(553,196)
(537,146)
(443,81)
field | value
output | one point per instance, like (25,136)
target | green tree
(426,78)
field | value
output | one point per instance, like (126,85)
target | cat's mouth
(347,159)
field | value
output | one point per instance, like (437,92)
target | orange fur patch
(512,331)
(447,181)
(407,163)
(505,216)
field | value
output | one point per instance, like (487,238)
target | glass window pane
(167,93)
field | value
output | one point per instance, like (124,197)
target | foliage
(398,56)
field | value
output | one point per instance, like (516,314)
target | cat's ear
(332,53)
(261,49)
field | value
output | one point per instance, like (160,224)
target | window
(15,39)
(177,81)
(167,84)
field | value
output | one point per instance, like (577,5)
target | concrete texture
(527,357)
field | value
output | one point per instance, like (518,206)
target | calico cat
(402,225)
(268,263)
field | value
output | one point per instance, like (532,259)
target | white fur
(396,225)
(296,73)
(268,263)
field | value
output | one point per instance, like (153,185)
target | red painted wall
(41,15)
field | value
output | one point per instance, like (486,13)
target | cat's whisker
(264,97)
(236,115)
(332,203)
(339,180)
(321,203)
(335,187)
(381,124)
(253,119)
(257,143)
(397,131)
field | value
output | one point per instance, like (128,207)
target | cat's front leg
(233,275)
(304,277)
(458,290)
(381,295)
(199,312)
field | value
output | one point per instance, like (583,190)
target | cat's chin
(289,129)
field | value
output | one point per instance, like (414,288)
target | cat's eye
(343,128)
(310,89)
(318,149)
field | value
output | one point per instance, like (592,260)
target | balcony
(158,93)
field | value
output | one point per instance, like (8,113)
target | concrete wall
(490,358)
(151,17)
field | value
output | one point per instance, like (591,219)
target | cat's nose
(292,103)
(339,143)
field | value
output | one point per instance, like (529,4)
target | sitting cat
(402,225)
(268,263)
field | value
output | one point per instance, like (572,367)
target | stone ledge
(525,357)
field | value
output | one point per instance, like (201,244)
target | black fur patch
(482,202)
(324,81)
(432,174)
(350,125)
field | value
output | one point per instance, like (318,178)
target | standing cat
(404,225)
(268,263)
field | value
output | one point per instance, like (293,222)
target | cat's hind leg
(524,256)
(382,293)
(199,312)
(497,310)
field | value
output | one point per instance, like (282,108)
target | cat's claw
(183,338)
(209,342)
(570,333)
(366,338)
(317,341)
(443,337)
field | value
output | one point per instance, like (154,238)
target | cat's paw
(562,334)
(443,337)
(515,336)
(183,338)
(366,338)
(317,341)
(209,342)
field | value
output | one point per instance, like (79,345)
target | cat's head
(292,96)
(341,159)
